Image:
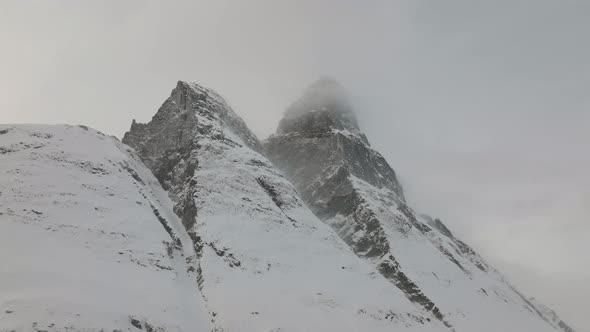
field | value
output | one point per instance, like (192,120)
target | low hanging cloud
(482,108)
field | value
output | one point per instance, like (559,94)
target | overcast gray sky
(483,107)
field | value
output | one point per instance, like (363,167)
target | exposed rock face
(168,144)
(322,128)
(89,239)
(320,148)
(266,262)
(350,186)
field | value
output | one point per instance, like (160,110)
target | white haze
(482,107)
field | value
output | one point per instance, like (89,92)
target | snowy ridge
(89,239)
(267,263)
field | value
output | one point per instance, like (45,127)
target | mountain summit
(322,128)
(325,104)
(320,148)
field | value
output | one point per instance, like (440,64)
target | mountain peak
(324,129)
(254,235)
(198,89)
(190,111)
(351,187)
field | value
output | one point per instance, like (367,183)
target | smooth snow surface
(81,246)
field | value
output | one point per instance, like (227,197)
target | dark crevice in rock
(164,170)
(150,328)
(274,195)
(438,224)
(453,260)
(132,172)
(409,214)
(467,251)
(227,256)
(271,192)
(188,213)
(566,328)
(164,222)
(198,247)
(390,269)
(136,323)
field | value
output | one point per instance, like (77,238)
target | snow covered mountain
(350,186)
(195,225)
(89,240)
(266,262)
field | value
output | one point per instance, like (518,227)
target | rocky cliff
(267,263)
(320,148)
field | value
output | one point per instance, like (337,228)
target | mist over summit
(323,103)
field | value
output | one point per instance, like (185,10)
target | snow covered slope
(89,240)
(267,263)
(350,186)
